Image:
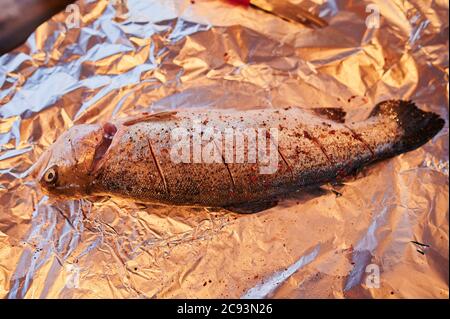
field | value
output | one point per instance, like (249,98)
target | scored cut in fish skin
(312,150)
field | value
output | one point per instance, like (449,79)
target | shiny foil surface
(383,234)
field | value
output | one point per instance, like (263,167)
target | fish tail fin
(418,126)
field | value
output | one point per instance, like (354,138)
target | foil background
(132,56)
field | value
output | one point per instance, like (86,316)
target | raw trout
(139,158)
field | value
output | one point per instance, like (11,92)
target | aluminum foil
(385,237)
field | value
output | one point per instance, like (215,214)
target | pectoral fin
(146,117)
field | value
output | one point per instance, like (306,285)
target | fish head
(66,167)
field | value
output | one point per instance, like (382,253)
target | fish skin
(312,150)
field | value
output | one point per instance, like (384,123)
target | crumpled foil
(385,237)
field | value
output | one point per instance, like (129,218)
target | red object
(109,129)
(240,2)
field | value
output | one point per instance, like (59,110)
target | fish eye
(51,175)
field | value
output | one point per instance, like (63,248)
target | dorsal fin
(146,117)
(335,114)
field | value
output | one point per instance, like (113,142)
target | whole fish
(139,157)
